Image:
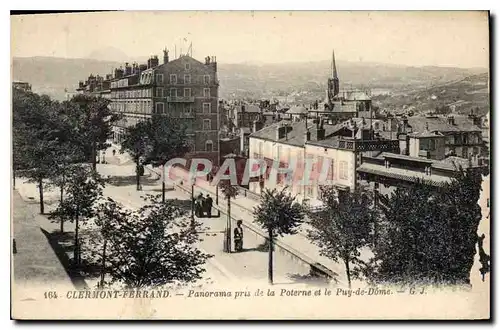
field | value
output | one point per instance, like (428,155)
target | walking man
(238,236)
(208,205)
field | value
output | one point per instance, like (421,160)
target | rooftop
(403,174)
(442,124)
(296,132)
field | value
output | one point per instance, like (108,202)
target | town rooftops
(442,124)
(403,174)
(297,110)
(412,170)
(248,108)
(296,134)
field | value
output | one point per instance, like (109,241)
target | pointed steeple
(334,67)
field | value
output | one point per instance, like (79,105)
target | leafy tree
(343,227)
(278,214)
(229,191)
(155,141)
(38,134)
(92,121)
(149,247)
(430,234)
(84,189)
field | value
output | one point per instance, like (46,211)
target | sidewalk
(35,262)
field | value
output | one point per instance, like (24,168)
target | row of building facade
(183,88)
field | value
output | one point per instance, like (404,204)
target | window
(209,146)
(206,79)
(173,79)
(187,66)
(159,78)
(159,91)
(207,124)
(187,92)
(159,107)
(187,78)
(188,110)
(207,108)
(206,92)
(343,170)
(173,92)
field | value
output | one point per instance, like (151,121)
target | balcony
(368,145)
(181,99)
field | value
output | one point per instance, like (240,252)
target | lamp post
(192,204)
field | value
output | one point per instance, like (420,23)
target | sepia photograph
(250,165)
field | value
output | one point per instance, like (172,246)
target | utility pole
(163,184)
(192,204)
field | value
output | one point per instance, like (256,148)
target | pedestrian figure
(114,152)
(238,236)
(199,205)
(484,259)
(208,205)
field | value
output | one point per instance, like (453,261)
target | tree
(38,134)
(155,141)
(278,214)
(343,227)
(92,121)
(229,191)
(149,247)
(430,233)
(84,189)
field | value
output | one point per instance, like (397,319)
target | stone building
(294,142)
(437,137)
(183,88)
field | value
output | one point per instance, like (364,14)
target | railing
(368,145)
(180,99)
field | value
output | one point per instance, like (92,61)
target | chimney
(280,131)
(320,131)
(154,61)
(257,125)
(149,63)
(165,56)
(451,120)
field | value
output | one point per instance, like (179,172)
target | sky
(447,38)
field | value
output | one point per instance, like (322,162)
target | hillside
(460,96)
(52,75)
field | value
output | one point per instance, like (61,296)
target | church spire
(334,67)
(334,85)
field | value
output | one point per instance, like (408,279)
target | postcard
(250,165)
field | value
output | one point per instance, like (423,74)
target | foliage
(278,212)
(150,247)
(343,227)
(92,123)
(156,140)
(83,190)
(228,190)
(41,138)
(430,234)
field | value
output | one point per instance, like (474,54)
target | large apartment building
(183,88)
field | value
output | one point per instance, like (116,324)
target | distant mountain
(108,54)
(51,75)
(460,96)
